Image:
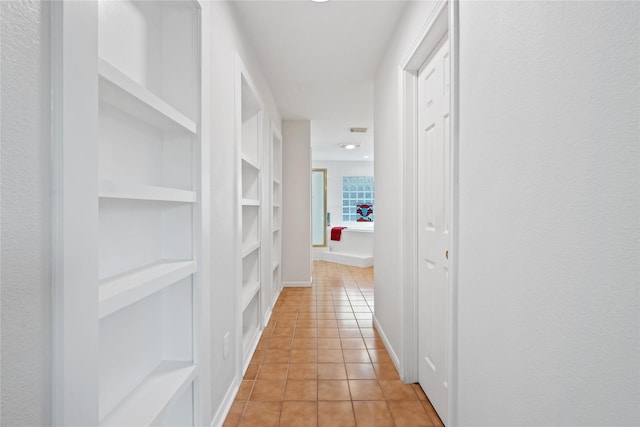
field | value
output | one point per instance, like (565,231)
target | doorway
(429,125)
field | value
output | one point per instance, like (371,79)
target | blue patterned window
(357,198)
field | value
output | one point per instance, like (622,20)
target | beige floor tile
(365,390)
(297,414)
(333,390)
(263,414)
(301,390)
(372,414)
(334,414)
(397,390)
(303,371)
(409,413)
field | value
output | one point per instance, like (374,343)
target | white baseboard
(297,284)
(387,344)
(275,298)
(348,259)
(225,406)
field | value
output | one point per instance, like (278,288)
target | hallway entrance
(321,362)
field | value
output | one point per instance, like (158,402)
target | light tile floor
(320,362)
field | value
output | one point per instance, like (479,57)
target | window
(357,198)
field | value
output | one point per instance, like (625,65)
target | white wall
(548,330)
(335,171)
(549,206)
(226,39)
(388,178)
(296,203)
(25,353)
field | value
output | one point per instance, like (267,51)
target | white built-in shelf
(250,202)
(119,190)
(147,404)
(119,90)
(249,290)
(249,249)
(250,162)
(123,290)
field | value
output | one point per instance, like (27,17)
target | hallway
(321,362)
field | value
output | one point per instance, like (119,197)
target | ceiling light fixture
(320,1)
(349,146)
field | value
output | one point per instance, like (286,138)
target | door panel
(433,225)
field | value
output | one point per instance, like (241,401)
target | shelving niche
(249,131)
(276,221)
(148,150)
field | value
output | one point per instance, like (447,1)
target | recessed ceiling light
(319,1)
(349,146)
(366,157)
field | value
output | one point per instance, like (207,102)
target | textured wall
(26,298)
(549,206)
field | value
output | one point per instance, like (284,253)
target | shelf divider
(123,290)
(146,405)
(118,89)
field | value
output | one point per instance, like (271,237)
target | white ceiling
(320,60)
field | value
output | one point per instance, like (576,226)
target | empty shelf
(250,162)
(117,190)
(119,90)
(250,249)
(249,291)
(125,289)
(147,404)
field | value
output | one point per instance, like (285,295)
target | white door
(433,226)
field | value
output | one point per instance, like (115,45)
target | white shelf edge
(249,291)
(250,249)
(246,159)
(250,202)
(146,405)
(119,190)
(118,89)
(276,264)
(123,290)
(277,181)
(276,229)
(276,205)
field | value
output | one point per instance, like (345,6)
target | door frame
(442,20)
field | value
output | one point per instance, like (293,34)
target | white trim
(225,406)
(74,126)
(202,302)
(394,357)
(442,20)
(297,284)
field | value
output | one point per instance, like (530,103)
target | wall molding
(225,406)
(297,284)
(394,357)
